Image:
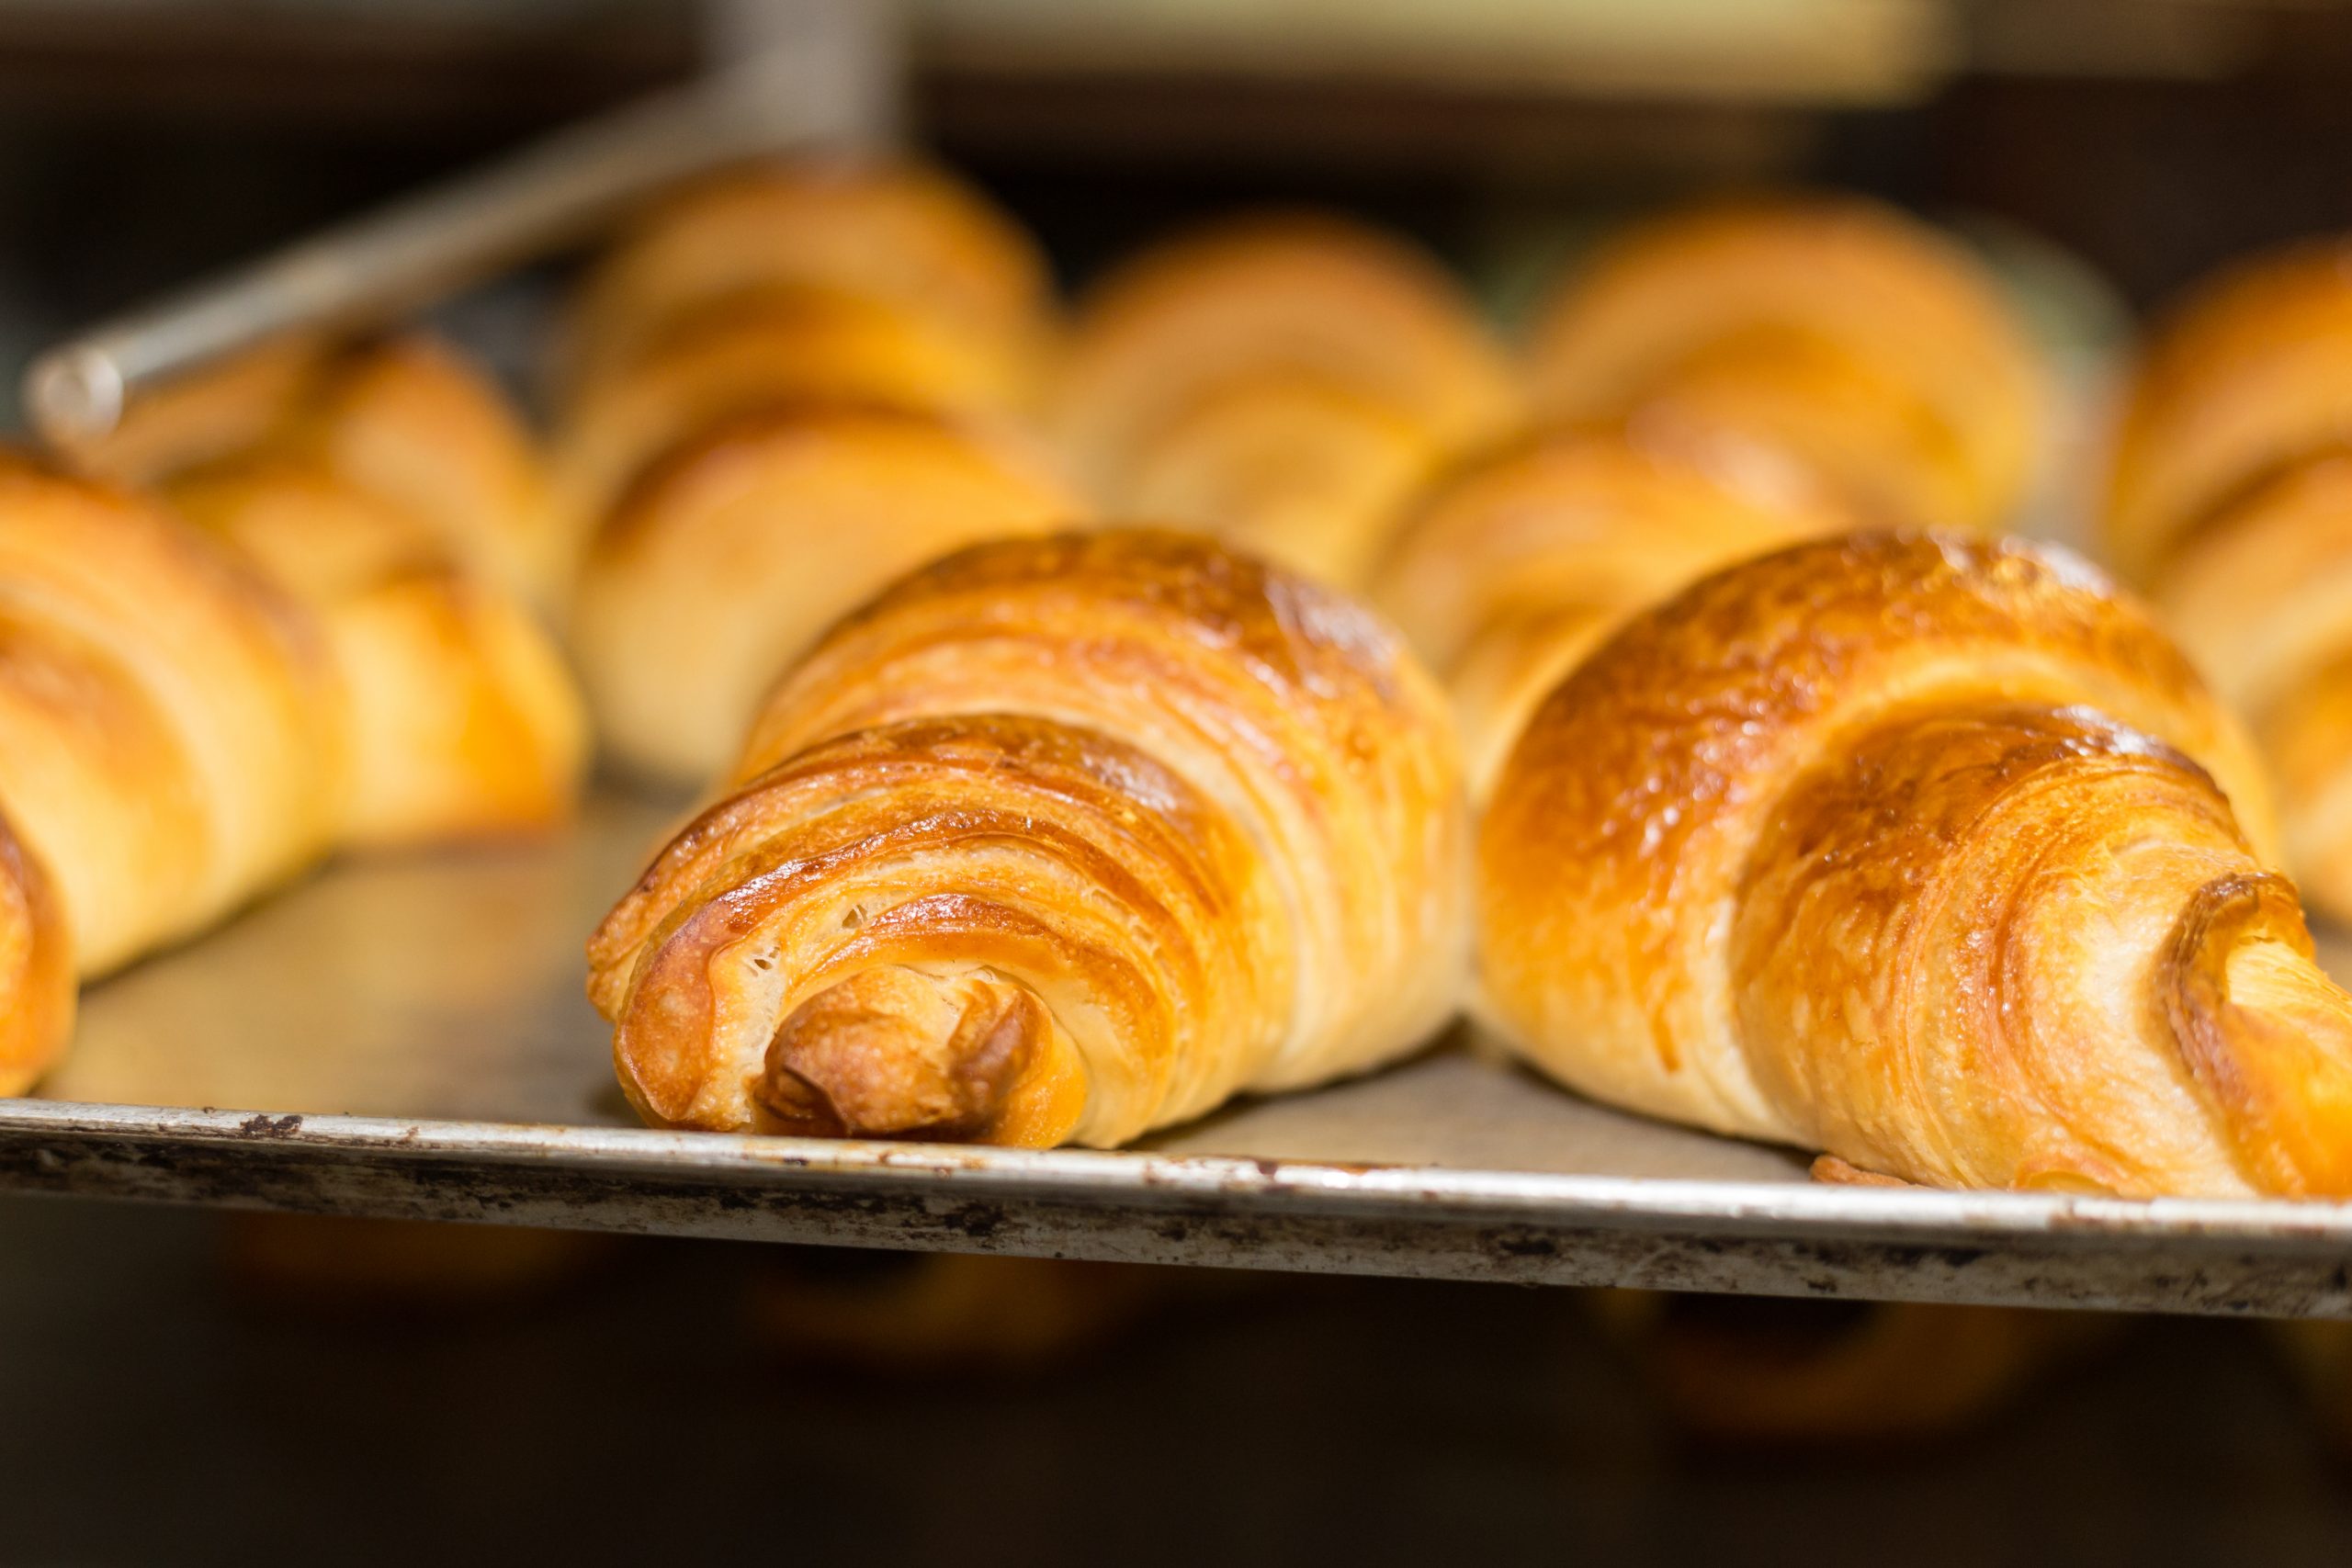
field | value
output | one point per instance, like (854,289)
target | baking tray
(409,1038)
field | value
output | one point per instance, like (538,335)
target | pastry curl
(733,555)
(1286,381)
(967,883)
(2230,502)
(1517,567)
(1921,852)
(1856,339)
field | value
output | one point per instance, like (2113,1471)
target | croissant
(751,353)
(1057,841)
(737,551)
(458,717)
(872,286)
(167,722)
(1851,337)
(1920,851)
(2230,502)
(1288,382)
(1509,572)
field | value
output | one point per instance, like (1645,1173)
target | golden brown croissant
(1287,382)
(1516,566)
(1057,841)
(872,286)
(2230,503)
(168,728)
(459,717)
(1856,339)
(1920,851)
(738,550)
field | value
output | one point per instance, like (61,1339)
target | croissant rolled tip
(893,1052)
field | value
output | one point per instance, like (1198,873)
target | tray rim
(1113,1177)
(2240,1257)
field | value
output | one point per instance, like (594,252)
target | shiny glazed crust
(1058,841)
(2230,501)
(736,552)
(1516,566)
(1855,339)
(1922,853)
(1282,378)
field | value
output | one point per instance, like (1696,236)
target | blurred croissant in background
(2230,501)
(1853,339)
(1286,382)
(406,505)
(776,394)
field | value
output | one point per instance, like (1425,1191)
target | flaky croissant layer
(1058,840)
(1922,853)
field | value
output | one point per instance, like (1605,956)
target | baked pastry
(2230,502)
(733,555)
(1855,339)
(459,719)
(870,286)
(781,347)
(403,506)
(1516,566)
(1057,841)
(1287,382)
(1929,854)
(784,389)
(167,728)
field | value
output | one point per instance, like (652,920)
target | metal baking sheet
(409,1038)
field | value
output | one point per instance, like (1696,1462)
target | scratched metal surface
(409,1038)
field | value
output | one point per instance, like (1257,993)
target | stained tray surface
(410,1037)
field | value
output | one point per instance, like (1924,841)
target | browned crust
(1149,782)
(1874,844)
(2283,1092)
